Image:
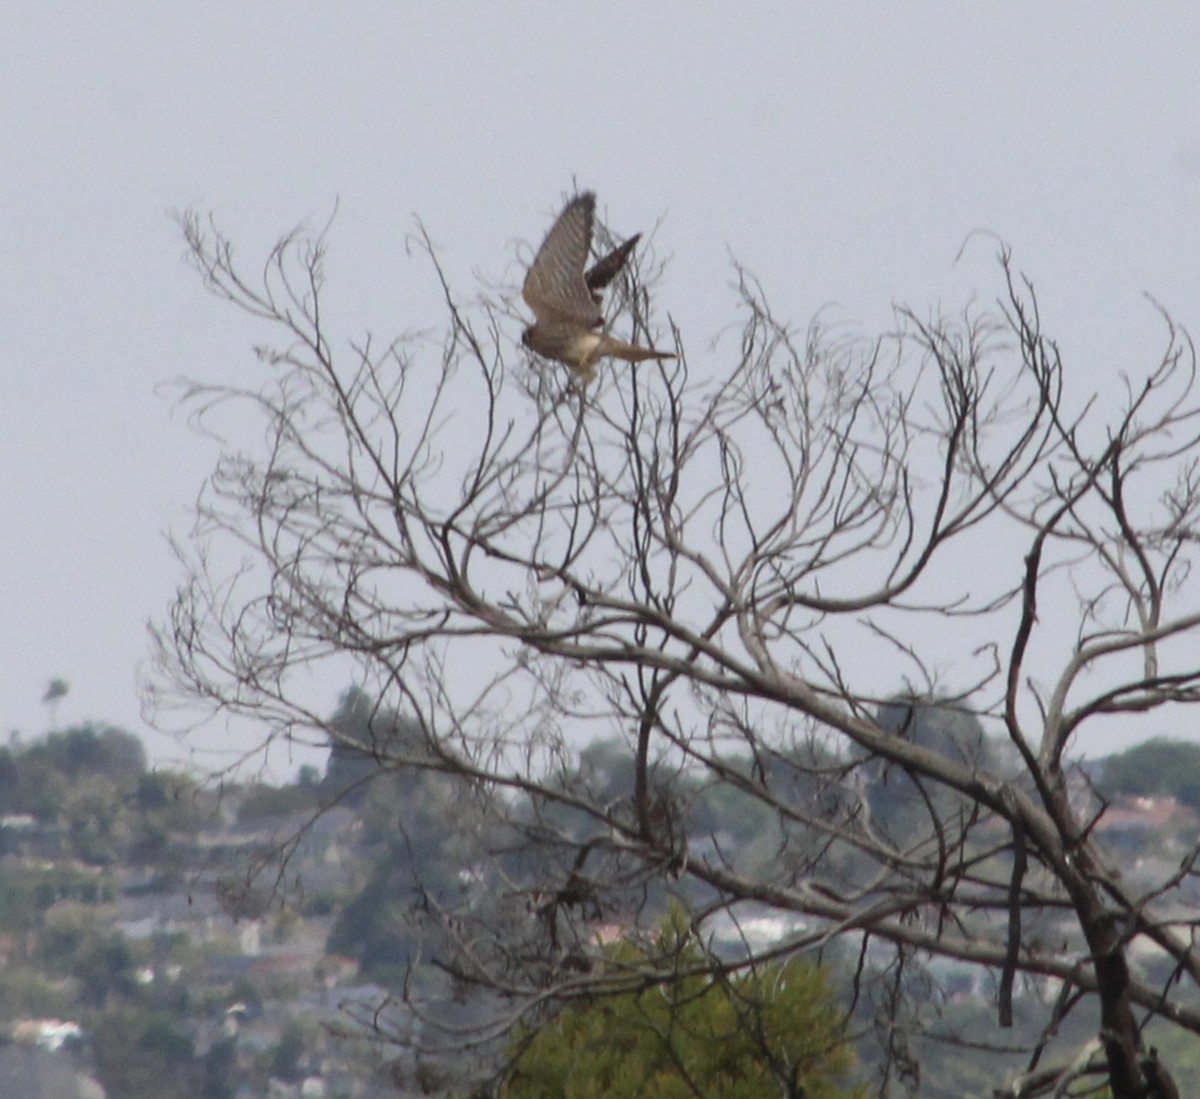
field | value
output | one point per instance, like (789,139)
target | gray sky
(842,151)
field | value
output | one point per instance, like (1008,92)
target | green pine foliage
(776,1031)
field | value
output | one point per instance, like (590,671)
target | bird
(565,295)
(604,270)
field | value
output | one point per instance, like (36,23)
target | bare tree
(762,581)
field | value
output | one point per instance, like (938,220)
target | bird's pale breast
(582,346)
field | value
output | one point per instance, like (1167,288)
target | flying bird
(564,294)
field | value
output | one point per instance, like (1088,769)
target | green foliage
(94,750)
(164,804)
(140,1054)
(27,891)
(26,993)
(1158,766)
(96,820)
(376,927)
(285,1057)
(320,902)
(77,942)
(40,787)
(901,807)
(173,795)
(723,807)
(91,796)
(743,821)
(56,690)
(362,735)
(263,801)
(776,1031)
(10,782)
(1177,1049)
(937,725)
(308,775)
(416,824)
(220,1063)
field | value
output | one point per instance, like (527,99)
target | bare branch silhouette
(879,590)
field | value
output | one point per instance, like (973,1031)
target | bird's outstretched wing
(555,288)
(604,270)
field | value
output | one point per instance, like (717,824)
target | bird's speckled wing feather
(554,287)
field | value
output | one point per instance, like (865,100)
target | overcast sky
(842,151)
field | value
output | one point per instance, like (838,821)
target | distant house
(47,1034)
(24,835)
(1130,821)
(1146,813)
(18,822)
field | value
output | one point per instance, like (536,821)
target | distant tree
(76,941)
(27,991)
(219,1068)
(362,736)
(29,889)
(246,992)
(141,1054)
(774,1031)
(56,690)
(164,804)
(97,821)
(1158,766)
(262,801)
(285,1057)
(93,749)
(901,801)
(43,786)
(744,553)
(377,927)
(416,873)
(156,790)
(87,779)
(10,782)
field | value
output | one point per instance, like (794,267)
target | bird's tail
(631,353)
